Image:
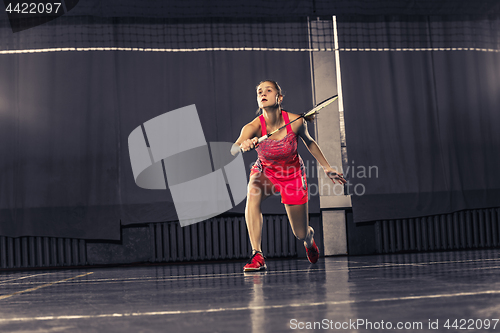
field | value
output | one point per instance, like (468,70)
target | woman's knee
(254,192)
(254,199)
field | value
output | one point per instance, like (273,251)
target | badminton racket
(235,149)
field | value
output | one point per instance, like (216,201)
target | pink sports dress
(281,163)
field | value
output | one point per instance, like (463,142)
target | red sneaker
(312,253)
(256,263)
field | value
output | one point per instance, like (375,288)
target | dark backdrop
(66,117)
(422,107)
(425,119)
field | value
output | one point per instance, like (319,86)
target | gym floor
(440,292)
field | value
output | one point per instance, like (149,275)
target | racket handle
(262,138)
(235,149)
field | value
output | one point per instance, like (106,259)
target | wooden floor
(403,293)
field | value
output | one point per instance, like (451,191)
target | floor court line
(382,265)
(191,277)
(287,271)
(223,275)
(2,297)
(214,276)
(247,308)
(25,277)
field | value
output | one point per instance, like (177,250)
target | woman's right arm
(248,136)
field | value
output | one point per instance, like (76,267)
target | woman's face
(268,95)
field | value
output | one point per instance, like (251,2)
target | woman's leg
(299,220)
(259,188)
(298,215)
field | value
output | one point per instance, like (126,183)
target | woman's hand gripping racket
(235,149)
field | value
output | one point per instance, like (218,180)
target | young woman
(279,168)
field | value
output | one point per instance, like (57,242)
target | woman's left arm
(318,154)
